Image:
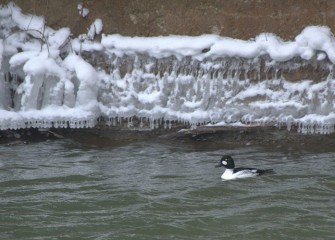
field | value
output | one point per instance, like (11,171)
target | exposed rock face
(242,19)
(237,19)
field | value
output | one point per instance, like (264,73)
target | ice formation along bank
(50,79)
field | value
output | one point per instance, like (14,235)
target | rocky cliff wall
(242,19)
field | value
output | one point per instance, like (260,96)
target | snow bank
(82,10)
(50,79)
(159,47)
(95,29)
(311,41)
(88,79)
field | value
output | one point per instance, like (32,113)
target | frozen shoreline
(46,80)
(210,137)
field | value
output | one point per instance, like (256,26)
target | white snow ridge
(48,79)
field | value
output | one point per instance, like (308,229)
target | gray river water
(163,190)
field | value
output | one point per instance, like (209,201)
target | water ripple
(161,191)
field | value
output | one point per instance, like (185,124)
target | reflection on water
(162,190)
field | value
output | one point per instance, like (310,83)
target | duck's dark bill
(219,165)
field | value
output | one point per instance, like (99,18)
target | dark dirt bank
(243,19)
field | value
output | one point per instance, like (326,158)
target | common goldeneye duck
(233,173)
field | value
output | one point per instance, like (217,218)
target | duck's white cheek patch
(224,162)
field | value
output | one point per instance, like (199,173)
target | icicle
(129,123)
(141,122)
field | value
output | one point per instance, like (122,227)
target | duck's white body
(230,174)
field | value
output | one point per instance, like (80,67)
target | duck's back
(245,172)
(250,172)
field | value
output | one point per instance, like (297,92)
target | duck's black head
(227,162)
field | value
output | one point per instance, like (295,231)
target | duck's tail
(266,171)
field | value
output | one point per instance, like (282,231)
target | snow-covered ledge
(49,78)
